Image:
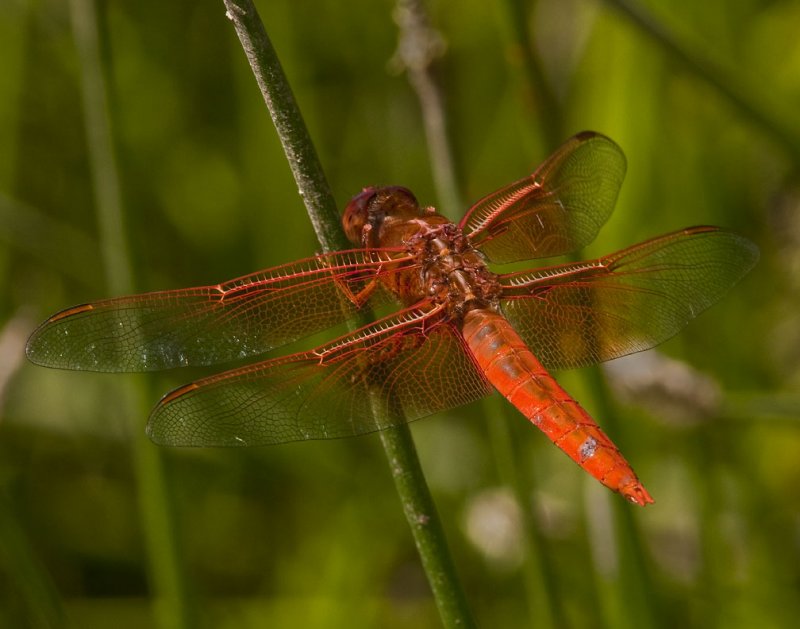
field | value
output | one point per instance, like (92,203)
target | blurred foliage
(267,538)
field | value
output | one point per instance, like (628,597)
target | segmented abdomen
(514,371)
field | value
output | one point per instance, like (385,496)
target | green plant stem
(169,591)
(749,100)
(544,598)
(417,49)
(419,44)
(115,253)
(398,445)
(632,575)
(426,526)
(636,603)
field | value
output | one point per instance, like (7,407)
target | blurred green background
(312,534)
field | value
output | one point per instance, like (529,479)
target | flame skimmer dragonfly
(462,330)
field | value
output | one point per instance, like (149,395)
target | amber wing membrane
(397,369)
(558,209)
(211,324)
(577,314)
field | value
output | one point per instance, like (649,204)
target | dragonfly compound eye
(356,214)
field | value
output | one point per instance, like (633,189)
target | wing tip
(36,347)
(588,134)
(69,312)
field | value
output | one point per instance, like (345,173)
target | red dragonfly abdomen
(514,371)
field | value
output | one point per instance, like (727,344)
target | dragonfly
(457,330)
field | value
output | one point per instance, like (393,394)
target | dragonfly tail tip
(637,494)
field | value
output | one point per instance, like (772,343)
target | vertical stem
(114,246)
(637,601)
(418,47)
(632,589)
(426,526)
(409,479)
(543,596)
(169,592)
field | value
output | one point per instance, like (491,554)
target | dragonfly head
(366,212)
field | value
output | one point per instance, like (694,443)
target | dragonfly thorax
(448,270)
(453,272)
